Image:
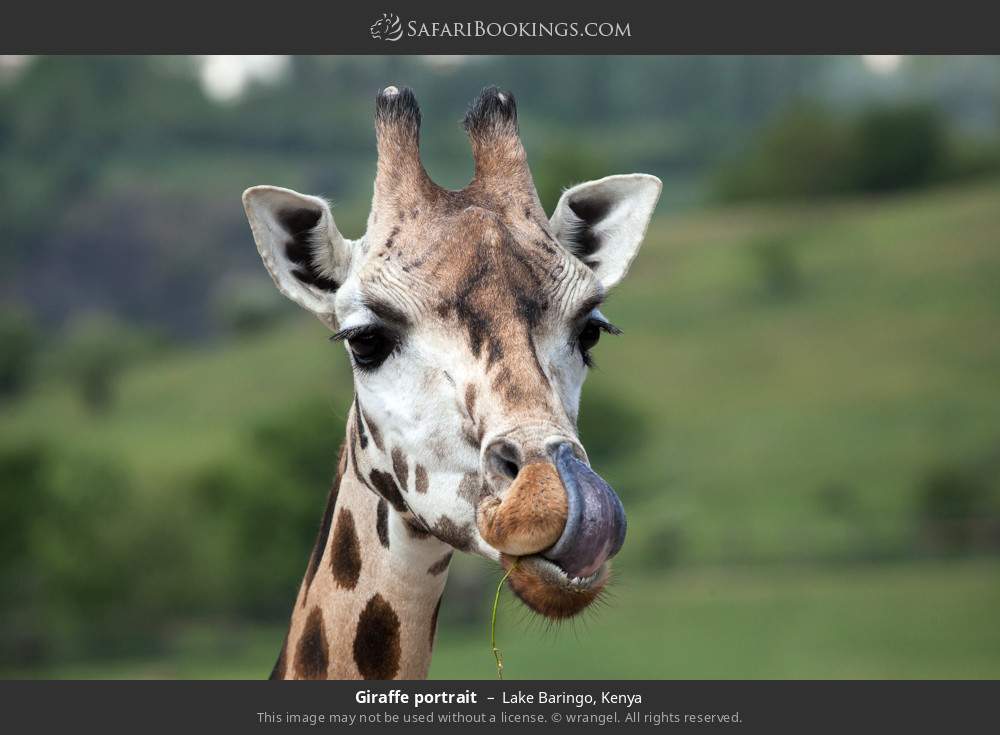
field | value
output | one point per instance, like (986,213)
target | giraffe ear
(300,245)
(603,222)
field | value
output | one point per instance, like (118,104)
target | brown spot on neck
(312,653)
(345,552)
(382,522)
(377,640)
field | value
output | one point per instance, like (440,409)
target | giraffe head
(469,318)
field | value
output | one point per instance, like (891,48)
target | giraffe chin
(548,590)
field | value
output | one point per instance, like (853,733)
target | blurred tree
(23,494)
(952,502)
(809,152)
(805,152)
(249,305)
(270,504)
(777,266)
(97,349)
(951,493)
(22,468)
(19,344)
(603,418)
(663,547)
(899,147)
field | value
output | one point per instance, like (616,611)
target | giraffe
(469,318)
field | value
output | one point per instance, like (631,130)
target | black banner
(448,27)
(744,707)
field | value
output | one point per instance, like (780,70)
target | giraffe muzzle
(562,523)
(595,519)
(560,510)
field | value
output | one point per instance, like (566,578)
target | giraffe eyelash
(608,327)
(601,323)
(598,322)
(346,334)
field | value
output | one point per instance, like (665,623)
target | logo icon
(387,28)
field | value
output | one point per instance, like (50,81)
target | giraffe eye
(588,337)
(370,348)
(591,334)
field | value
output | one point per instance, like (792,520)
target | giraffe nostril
(504,458)
(508,468)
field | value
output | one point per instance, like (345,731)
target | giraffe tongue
(595,523)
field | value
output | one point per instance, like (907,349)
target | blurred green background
(811,360)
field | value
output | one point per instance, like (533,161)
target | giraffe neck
(367,606)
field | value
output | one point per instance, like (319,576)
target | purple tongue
(595,523)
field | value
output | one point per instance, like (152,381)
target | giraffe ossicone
(468,317)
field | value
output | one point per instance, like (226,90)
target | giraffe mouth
(562,580)
(546,588)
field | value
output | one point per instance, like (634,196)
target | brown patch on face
(354,462)
(470,401)
(505,385)
(373,430)
(400,467)
(391,240)
(420,479)
(469,432)
(359,425)
(345,553)
(387,312)
(416,530)
(324,529)
(434,618)
(473,313)
(385,485)
(459,537)
(312,654)
(471,488)
(382,522)
(531,516)
(278,672)
(496,290)
(377,640)
(440,565)
(469,435)
(545,594)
